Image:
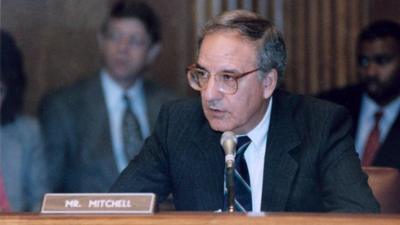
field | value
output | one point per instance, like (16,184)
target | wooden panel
(177,47)
(205,218)
(384,9)
(58,38)
(340,42)
(353,23)
(59,44)
(322,48)
(289,37)
(299,28)
(326,65)
(313,46)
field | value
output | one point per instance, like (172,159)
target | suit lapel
(152,103)
(98,137)
(280,167)
(389,152)
(354,107)
(210,154)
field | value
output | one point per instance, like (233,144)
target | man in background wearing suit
(375,102)
(94,127)
(300,154)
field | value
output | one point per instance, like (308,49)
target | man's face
(227,51)
(125,49)
(379,66)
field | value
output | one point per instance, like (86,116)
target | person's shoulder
(309,105)
(156,90)
(77,87)
(295,99)
(182,115)
(26,121)
(311,115)
(73,91)
(342,93)
(26,125)
(184,106)
(188,109)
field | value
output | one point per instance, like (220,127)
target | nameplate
(96,203)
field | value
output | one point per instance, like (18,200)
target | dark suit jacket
(310,162)
(77,135)
(350,97)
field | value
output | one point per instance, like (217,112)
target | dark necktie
(243,202)
(372,144)
(131,132)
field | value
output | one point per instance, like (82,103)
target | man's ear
(270,82)
(154,51)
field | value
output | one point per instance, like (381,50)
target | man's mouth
(216,112)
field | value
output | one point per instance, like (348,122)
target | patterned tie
(372,144)
(131,132)
(243,201)
(4,205)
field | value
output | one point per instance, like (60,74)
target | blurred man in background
(375,102)
(96,126)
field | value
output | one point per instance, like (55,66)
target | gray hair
(272,54)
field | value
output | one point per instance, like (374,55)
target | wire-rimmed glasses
(227,82)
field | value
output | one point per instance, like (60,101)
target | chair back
(385,184)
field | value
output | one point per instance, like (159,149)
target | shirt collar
(113,92)
(389,111)
(259,133)
(392,109)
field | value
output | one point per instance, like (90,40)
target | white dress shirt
(255,155)
(367,120)
(116,107)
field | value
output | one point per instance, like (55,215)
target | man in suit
(87,125)
(378,93)
(299,157)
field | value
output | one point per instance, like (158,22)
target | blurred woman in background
(23,175)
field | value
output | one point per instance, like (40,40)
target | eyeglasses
(133,41)
(227,82)
(381,60)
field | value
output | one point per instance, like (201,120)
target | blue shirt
(366,120)
(255,155)
(116,107)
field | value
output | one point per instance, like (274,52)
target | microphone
(228,142)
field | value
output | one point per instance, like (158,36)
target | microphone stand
(230,186)
(228,142)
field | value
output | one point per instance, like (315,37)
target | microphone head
(228,135)
(228,142)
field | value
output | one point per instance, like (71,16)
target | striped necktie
(243,202)
(131,132)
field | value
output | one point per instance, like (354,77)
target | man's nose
(212,92)
(123,45)
(371,70)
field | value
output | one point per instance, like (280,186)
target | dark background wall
(58,38)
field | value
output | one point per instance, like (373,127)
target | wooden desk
(203,218)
